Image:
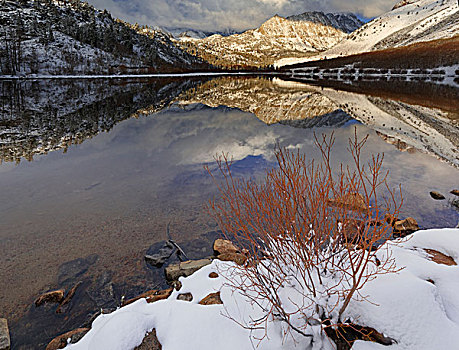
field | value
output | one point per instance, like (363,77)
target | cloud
(229,14)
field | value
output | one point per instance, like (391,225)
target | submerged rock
(54,296)
(73,269)
(63,307)
(159,253)
(186,268)
(455,192)
(5,342)
(436,195)
(352,201)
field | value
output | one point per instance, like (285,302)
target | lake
(92,171)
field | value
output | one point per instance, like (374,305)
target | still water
(97,168)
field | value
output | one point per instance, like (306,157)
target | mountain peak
(346,22)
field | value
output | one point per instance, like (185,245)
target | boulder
(185,268)
(440,258)
(5,342)
(405,227)
(54,296)
(61,341)
(151,296)
(455,192)
(352,201)
(185,297)
(437,195)
(213,275)
(222,246)
(238,258)
(211,299)
(150,342)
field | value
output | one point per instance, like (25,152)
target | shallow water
(98,168)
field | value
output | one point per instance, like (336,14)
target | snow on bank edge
(404,306)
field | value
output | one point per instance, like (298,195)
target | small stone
(55,296)
(455,192)
(185,268)
(437,195)
(60,341)
(151,296)
(150,342)
(177,285)
(185,297)
(212,299)
(440,258)
(213,275)
(5,342)
(222,246)
(238,258)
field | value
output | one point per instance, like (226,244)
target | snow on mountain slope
(406,24)
(76,38)
(276,38)
(346,22)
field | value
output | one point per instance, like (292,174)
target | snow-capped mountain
(408,23)
(178,33)
(72,37)
(346,22)
(274,39)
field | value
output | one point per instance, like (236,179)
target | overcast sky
(233,14)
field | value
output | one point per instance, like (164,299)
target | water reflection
(112,193)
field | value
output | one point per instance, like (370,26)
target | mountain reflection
(40,116)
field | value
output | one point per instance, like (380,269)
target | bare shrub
(312,234)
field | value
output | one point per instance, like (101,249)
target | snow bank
(405,306)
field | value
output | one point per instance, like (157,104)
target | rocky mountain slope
(72,37)
(274,39)
(408,23)
(197,34)
(346,22)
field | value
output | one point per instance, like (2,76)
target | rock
(185,268)
(352,201)
(55,296)
(159,253)
(185,297)
(437,195)
(151,296)
(5,342)
(177,285)
(238,258)
(60,341)
(71,270)
(62,307)
(440,258)
(213,275)
(222,246)
(390,219)
(405,227)
(211,299)
(346,334)
(102,292)
(455,192)
(150,342)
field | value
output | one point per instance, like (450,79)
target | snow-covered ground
(417,306)
(421,20)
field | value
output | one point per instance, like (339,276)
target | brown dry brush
(311,228)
